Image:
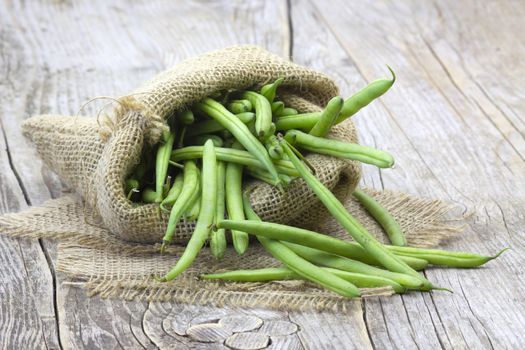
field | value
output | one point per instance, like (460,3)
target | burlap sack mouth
(95,159)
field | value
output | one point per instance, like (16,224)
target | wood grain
(454,121)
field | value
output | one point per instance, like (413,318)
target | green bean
(351,225)
(382,216)
(364,96)
(233,156)
(218,237)
(173,193)
(131,184)
(340,149)
(351,106)
(301,266)
(367,281)
(240,106)
(234,202)
(260,174)
(327,118)
(263,175)
(167,186)
(186,117)
(206,215)
(321,258)
(311,239)
(263,113)
(216,111)
(190,191)
(246,117)
(277,107)
(270,90)
(286,111)
(212,126)
(304,121)
(193,212)
(200,140)
(283,273)
(445,258)
(162,163)
(259,275)
(149,195)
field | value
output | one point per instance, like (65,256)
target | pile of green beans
(197,172)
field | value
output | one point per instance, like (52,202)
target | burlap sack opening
(95,159)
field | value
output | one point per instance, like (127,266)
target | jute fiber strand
(99,261)
(95,156)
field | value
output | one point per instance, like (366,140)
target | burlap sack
(94,157)
(112,258)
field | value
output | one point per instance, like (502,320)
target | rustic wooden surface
(454,121)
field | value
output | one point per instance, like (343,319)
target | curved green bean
(340,149)
(269,91)
(233,156)
(321,258)
(312,239)
(234,202)
(364,96)
(263,113)
(382,216)
(240,106)
(190,191)
(301,266)
(173,193)
(327,117)
(241,132)
(218,237)
(206,215)
(351,106)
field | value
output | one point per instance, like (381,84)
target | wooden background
(454,121)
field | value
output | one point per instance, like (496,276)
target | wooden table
(454,121)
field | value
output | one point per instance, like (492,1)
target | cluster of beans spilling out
(198,174)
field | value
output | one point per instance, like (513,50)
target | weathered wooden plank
(26,291)
(435,110)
